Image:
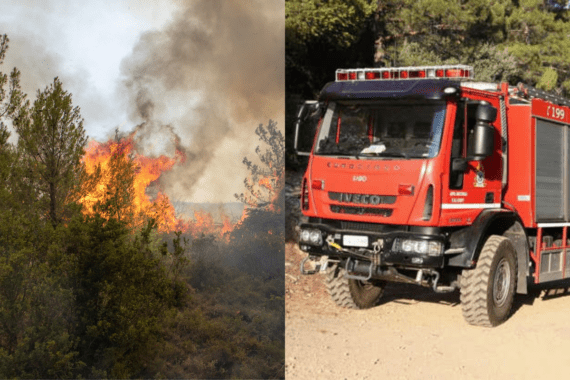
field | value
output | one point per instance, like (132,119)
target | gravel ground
(417,334)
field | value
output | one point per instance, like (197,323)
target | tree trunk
(52,203)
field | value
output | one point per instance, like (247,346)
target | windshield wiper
(382,155)
(368,154)
(360,155)
(394,154)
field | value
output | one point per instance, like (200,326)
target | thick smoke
(40,48)
(209,78)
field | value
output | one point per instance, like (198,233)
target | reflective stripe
(464,206)
(553,224)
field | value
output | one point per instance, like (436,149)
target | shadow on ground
(409,294)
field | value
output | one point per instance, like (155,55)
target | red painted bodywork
(519,193)
(470,194)
(520,178)
(384,176)
(451,207)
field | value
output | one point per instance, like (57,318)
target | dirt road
(416,334)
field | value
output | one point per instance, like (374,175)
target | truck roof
(371,90)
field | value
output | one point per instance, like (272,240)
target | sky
(206,72)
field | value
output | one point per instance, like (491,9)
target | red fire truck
(422,175)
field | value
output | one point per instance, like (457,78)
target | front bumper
(373,246)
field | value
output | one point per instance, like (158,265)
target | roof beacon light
(457,72)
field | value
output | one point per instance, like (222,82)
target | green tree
(36,301)
(11,99)
(126,281)
(52,141)
(321,36)
(35,298)
(338,22)
(504,40)
(508,40)
(122,293)
(11,96)
(413,33)
(538,38)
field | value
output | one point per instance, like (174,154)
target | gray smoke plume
(208,79)
(39,49)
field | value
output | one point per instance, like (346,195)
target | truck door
(478,185)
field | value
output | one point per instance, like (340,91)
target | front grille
(361,210)
(362,226)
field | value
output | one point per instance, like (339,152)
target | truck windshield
(392,128)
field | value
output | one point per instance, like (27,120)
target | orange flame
(267,182)
(112,157)
(138,206)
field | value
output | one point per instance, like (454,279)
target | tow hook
(442,288)
(320,266)
(331,243)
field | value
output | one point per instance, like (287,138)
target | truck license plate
(355,241)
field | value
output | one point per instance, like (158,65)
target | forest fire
(204,224)
(107,190)
(266,187)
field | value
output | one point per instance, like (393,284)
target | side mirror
(484,133)
(486,112)
(308,117)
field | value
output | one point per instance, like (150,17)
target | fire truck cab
(421,175)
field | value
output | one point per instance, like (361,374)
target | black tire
(488,290)
(350,293)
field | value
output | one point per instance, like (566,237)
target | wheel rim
(501,283)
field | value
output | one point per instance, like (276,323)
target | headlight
(421,246)
(432,248)
(311,236)
(407,246)
(315,236)
(435,248)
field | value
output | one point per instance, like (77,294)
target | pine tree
(504,40)
(12,97)
(320,35)
(52,141)
(11,100)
